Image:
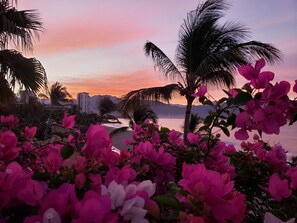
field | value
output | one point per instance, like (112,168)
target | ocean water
(287,137)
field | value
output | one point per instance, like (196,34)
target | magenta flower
(68,121)
(95,208)
(8,146)
(257,78)
(201,91)
(53,161)
(12,181)
(10,120)
(32,192)
(278,188)
(80,180)
(193,138)
(120,176)
(277,91)
(62,199)
(175,138)
(30,132)
(233,92)
(214,191)
(98,144)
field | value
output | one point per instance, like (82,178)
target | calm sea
(287,137)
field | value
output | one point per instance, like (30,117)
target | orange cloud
(116,85)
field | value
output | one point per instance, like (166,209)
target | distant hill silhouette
(162,109)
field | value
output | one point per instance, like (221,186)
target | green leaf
(225,130)
(231,120)
(208,102)
(208,119)
(167,200)
(203,128)
(227,93)
(221,100)
(66,151)
(242,98)
(248,88)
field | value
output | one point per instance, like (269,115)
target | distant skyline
(96,46)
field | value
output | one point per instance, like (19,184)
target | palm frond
(164,93)
(162,62)
(27,72)
(195,120)
(20,27)
(218,78)
(255,50)
(6,94)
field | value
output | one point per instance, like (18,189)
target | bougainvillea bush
(158,177)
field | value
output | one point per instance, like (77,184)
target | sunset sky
(96,46)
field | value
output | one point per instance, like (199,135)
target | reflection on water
(287,137)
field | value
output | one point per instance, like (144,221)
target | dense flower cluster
(158,177)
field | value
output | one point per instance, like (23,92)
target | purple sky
(97,45)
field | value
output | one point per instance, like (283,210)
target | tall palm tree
(18,28)
(57,95)
(207,53)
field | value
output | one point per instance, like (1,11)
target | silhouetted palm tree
(138,116)
(207,53)
(18,28)
(57,95)
(106,106)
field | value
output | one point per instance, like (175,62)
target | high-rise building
(83,102)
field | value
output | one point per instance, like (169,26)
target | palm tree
(207,53)
(137,115)
(18,28)
(106,106)
(57,95)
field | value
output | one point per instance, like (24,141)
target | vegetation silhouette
(208,52)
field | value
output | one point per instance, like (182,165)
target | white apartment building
(83,102)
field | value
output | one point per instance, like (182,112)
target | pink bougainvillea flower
(257,78)
(295,87)
(95,208)
(249,72)
(8,146)
(80,180)
(241,134)
(277,91)
(10,120)
(278,188)
(32,192)
(98,143)
(96,181)
(292,173)
(175,138)
(133,210)
(30,132)
(215,191)
(116,192)
(201,91)
(68,121)
(62,199)
(53,161)
(120,176)
(12,181)
(277,158)
(193,138)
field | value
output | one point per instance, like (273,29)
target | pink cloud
(114,84)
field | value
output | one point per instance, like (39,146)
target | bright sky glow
(97,45)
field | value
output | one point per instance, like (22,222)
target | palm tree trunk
(190,100)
